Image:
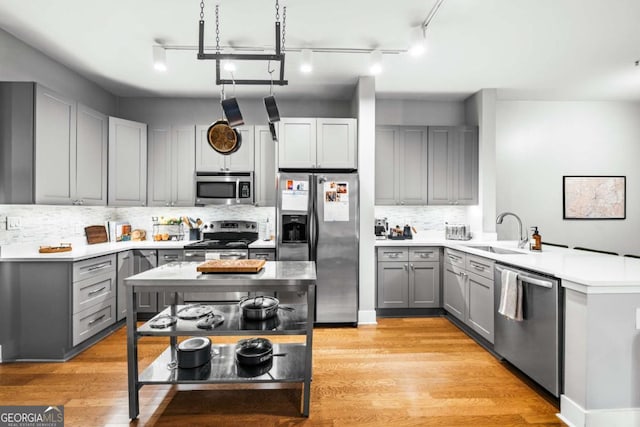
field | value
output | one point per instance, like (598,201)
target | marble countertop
(586,272)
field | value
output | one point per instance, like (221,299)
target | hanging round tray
(223,138)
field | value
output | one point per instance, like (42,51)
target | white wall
(186,111)
(20,62)
(537,142)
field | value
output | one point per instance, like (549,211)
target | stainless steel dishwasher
(532,345)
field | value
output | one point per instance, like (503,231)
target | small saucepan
(260,307)
(254,351)
(194,352)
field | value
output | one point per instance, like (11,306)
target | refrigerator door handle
(316,220)
(312,218)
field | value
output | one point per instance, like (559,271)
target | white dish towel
(511,296)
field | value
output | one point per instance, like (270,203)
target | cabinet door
(91,156)
(242,160)
(127,162)
(440,185)
(297,143)
(125,269)
(455,291)
(387,161)
(393,285)
(480,303)
(413,166)
(207,159)
(424,284)
(147,302)
(159,191)
(336,144)
(465,182)
(265,171)
(183,165)
(55,148)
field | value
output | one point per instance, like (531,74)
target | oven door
(224,188)
(219,297)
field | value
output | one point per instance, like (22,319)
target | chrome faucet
(523,239)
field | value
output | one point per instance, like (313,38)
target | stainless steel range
(221,240)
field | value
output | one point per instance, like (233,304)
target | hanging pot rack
(278,56)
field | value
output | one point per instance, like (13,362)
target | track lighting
(375,65)
(159,58)
(229,66)
(306,64)
(417,42)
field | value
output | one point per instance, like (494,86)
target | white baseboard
(367,317)
(576,416)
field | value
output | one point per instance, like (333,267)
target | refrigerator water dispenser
(294,229)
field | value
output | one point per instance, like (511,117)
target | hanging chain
(277,11)
(201,10)
(284,26)
(217,28)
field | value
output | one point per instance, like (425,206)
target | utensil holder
(194,234)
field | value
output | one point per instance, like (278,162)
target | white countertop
(587,272)
(29,252)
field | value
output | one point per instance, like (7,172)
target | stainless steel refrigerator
(318,218)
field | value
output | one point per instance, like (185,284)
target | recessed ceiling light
(229,66)
(417,42)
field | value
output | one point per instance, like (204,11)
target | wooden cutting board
(96,234)
(231,266)
(64,247)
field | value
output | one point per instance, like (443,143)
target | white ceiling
(533,49)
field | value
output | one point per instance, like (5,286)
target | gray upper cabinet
(55,147)
(311,143)
(453,165)
(265,172)
(70,151)
(127,162)
(171,166)
(401,159)
(209,160)
(91,156)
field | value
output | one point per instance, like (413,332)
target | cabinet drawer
(93,267)
(424,254)
(266,255)
(93,320)
(454,257)
(393,254)
(480,266)
(93,290)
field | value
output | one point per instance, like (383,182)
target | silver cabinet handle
(192,255)
(97,291)
(261,256)
(237,190)
(413,267)
(406,267)
(97,319)
(478,267)
(99,266)
(171,257)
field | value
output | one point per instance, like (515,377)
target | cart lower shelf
(223,368)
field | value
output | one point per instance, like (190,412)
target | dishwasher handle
(528,279)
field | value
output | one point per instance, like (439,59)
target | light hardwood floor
(401,372)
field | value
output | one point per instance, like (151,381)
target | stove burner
(227,235)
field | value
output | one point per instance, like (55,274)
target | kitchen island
(276,276)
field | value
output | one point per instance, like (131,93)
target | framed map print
(594,197)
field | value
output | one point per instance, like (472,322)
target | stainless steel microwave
(224,188)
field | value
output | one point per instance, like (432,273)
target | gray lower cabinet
(408,277)
(143,260)
(125,269)
(267,254)
(165,256)
(468,291)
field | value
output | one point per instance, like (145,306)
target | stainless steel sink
(495,250)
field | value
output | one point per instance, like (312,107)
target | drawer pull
(96,320)
(453,257)
(392,254)
(99,266)
(171,257)
(478,267)
(97,291)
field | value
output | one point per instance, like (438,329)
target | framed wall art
(594,197)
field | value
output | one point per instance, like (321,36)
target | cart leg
(306,390)
(132,355)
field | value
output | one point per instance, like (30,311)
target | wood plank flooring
(401,372)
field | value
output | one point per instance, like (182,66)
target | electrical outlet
(14,223)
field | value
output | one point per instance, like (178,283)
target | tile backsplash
(423,217)
(46,224)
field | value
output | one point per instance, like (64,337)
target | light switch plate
(14,223)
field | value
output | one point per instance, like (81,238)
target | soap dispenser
(535,243)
